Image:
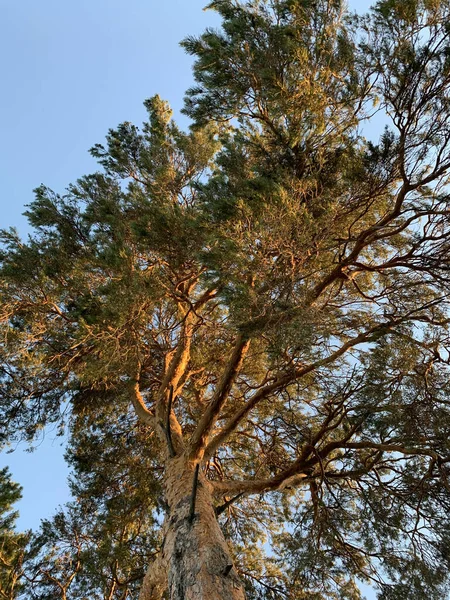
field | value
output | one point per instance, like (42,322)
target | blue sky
(70,70)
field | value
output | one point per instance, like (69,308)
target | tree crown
(267,294)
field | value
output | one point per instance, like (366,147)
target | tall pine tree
(246,325)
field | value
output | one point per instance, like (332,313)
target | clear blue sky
(71,69)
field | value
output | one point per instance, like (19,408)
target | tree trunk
(155,580)
(198,560)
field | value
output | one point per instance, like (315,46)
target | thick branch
(140,409)
(178,363)
(291,477)
(204,427)
(300,470)
(383,447)
(177,367)
(283,380)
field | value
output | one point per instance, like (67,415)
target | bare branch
(142,412)
(285,379)
(204,427)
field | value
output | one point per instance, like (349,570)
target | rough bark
(198,560)
(155,580)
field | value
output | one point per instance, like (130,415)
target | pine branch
(204,427)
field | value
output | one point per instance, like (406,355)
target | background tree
(12,543)
(269,294)
(100,545)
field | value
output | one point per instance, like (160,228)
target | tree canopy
(256,310)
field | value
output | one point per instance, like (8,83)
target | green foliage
(12,544)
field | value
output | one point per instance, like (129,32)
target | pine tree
(253,317)
(12,544)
